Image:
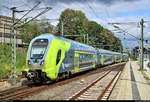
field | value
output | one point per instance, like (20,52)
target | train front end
(35,63)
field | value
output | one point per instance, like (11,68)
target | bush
(6,60)
(21,60)
(133,58)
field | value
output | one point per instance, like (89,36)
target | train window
(58,57)
(70,56)
(38,48)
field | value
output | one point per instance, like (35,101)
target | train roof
(107,51)
(77,45)
(74,44)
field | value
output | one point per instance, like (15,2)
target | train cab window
(38,48)
(58,57)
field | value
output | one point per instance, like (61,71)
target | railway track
(21,92)
(100,88)
(2,80)
(6,79)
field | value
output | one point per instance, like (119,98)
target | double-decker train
(51,57)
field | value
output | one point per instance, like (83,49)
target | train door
(99,59)
(113,58)
(76,62)
(102,59)
(94,60)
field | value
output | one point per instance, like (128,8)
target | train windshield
(38,48)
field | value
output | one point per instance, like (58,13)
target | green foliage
(74,23)
(133,58)
(29,31)
(117,45)
(21,60)
(33,29)
(143,71)
(5,60)
(95,33)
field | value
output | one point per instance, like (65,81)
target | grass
(144,74)
(6,59)
(133,58)
(142,70)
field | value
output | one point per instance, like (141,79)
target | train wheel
(64,75)
(57,79)
(67,75)
(26,82)
(70,74)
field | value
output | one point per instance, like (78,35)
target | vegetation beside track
(6,59)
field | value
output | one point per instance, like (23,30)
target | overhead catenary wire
(120,23)
(27,4)
(123,30)
(124,33)
(35,17)
(92,9)
(28,12)
(55,11)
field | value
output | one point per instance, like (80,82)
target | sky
(101,11)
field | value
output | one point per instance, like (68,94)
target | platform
(132,85)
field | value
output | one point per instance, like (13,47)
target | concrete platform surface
(132,85)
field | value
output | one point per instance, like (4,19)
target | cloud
(101,11)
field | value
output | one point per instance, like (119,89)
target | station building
(6,35)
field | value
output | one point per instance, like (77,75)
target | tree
(29,31)
(117,45)
(74,23)
(103,38)
(109,39)
(94,31)
(35,28)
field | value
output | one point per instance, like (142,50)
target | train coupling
(24,73)
(32,74)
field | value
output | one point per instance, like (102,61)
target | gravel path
(6,85)
(63,92)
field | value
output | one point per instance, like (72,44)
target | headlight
(29,63)
(42,63)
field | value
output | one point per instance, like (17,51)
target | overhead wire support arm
(130,34)
(46,9)
(124,23)
(123,30)
(27,12)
